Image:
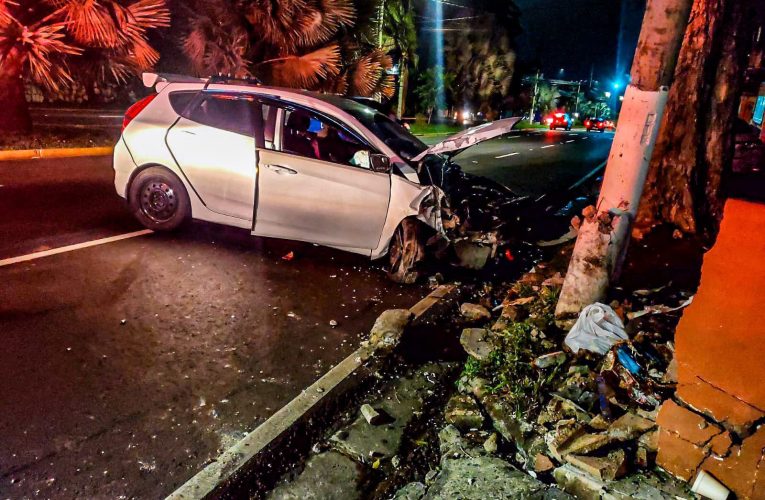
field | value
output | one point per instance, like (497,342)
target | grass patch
(525,125)
(59,138)
(435,128)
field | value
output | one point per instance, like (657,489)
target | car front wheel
(158,199)
(406,250)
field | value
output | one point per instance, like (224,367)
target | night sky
(579,34)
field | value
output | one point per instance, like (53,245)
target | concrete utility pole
(534,98)
(604,234)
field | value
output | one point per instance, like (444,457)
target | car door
(311,187)
(214,145)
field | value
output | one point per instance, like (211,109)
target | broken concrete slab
(578,483)
(474,312)
(629,426)
(650,441)
(463,412)
(326,475)
(607,468)
(388,329)
(477,342)
(585,444)
(401,402)
(678,456)
(480,478)
(720,406)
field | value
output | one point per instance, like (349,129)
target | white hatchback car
(281,163)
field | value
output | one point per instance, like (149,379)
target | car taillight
(135,109)
(549,120)
(587,123)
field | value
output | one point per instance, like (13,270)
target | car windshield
(398,138)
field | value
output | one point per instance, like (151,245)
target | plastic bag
(597,329)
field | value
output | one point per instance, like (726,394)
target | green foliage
(433,83)
(508,369)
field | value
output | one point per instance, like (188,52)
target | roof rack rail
(231,79)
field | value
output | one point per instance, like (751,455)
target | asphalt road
(129,365)
(536,162)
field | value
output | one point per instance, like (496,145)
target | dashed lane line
(505,156)
(548,146)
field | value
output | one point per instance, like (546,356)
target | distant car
(559,120)
(599,124)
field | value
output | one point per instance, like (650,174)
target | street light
(617,86)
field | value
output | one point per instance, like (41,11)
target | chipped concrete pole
(604,233)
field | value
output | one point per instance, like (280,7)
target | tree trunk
(695,144)
(15,111)
(403,81)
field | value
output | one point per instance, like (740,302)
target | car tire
(406,250)
(159,200)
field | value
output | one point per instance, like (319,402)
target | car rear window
(180,100)
(226,111)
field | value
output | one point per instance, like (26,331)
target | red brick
(720,444)
(720,405)
(678,456)
(738,471)
(687,424)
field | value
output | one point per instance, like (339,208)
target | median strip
(33,154)
(231,461)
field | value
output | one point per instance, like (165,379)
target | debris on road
(288,256)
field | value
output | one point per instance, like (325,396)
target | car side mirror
(379,163)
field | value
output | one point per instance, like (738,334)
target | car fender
(408,199)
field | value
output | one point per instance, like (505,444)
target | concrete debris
(474,312)
(412,491)
(606,468)
(477,342)
(550,360)
(542,463)
(371,415)
(629,426)
(463,412)
(490,445)
(388,329)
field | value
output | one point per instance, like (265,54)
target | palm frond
(304,71)
(216,43)
(369,75)
(45,47)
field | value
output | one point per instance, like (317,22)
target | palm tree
(292,43)
(41,40)
(400,34)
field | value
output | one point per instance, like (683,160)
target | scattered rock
(565,431)
(412,491)
(650,441)
(450,441)
(584,444)
(542,463)
(512,313)
(579,370)
(641,458)
(463,412)
(550,360)
(388,329)
(599,423)
(490,445)
(476,386)
(607,468)
(371,415)
(477,342)
(629,426)
(474,312)
(482,477)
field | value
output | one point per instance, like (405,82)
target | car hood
(470,137)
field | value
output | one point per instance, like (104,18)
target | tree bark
(403,81)
(14,117)
(695,143)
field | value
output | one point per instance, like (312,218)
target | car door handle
(282,170)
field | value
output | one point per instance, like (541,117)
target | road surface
(129,365)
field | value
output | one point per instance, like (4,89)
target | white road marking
(573,134)
(585,138)
(548,146)
(70,248)
(505,156)
(531,149)
(572,140)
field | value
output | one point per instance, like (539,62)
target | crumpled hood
(470,137)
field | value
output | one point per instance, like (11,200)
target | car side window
(313,136)
(234,113)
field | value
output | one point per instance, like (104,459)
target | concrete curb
(34,154)
(231,461)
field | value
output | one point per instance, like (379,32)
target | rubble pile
(576,409)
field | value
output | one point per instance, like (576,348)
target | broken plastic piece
(597,329)
(288,257)
(707,486)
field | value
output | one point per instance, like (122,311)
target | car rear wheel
(406,250)
(158,199)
